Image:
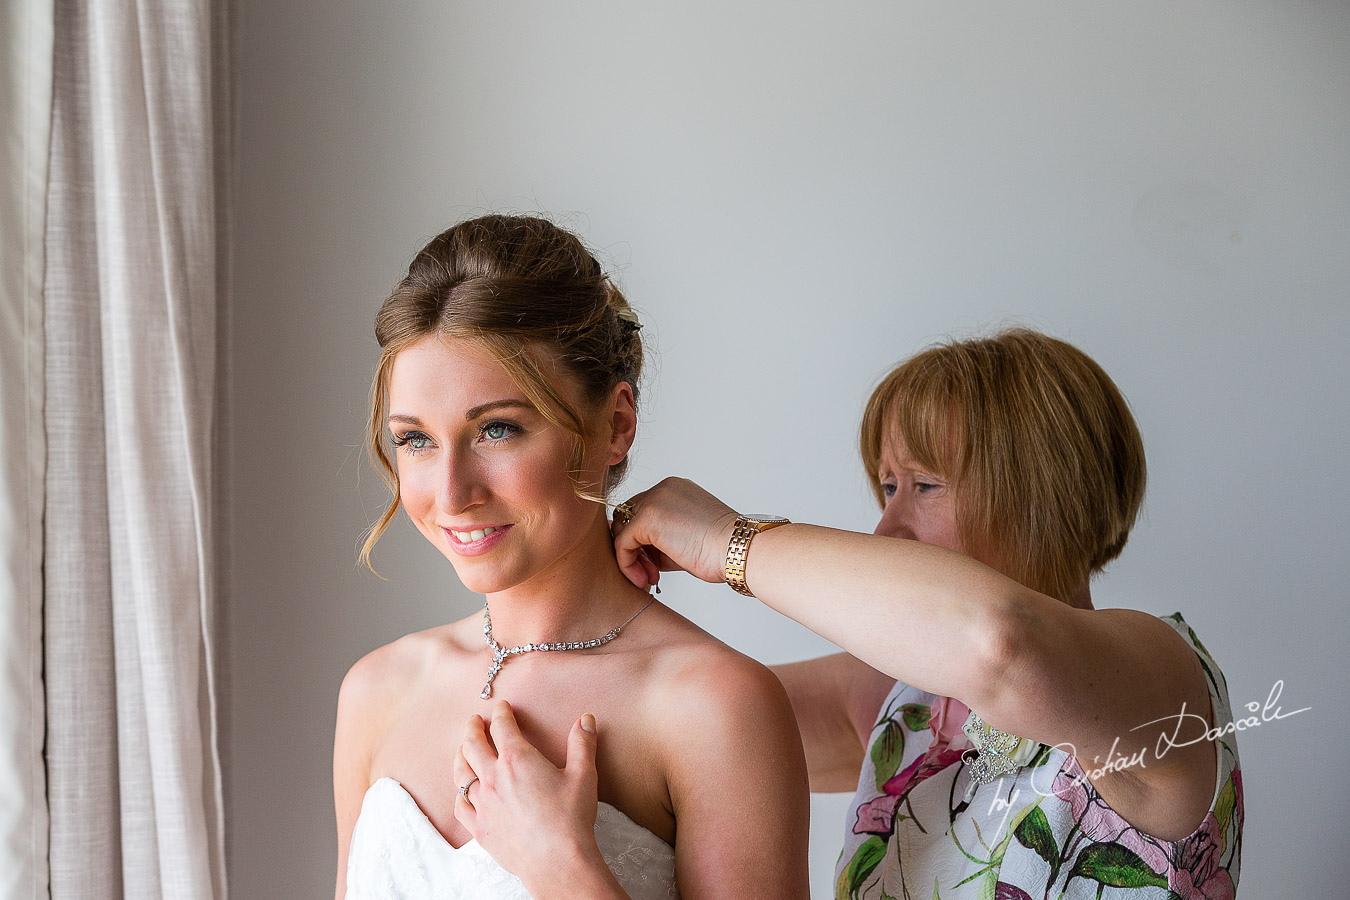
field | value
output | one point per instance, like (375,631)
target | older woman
(1005,738)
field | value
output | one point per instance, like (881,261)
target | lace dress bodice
(397,854)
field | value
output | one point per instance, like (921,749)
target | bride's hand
(535,819)
(674,525)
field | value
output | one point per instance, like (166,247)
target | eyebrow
(469,416)
(496,404)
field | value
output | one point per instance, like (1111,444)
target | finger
(504,728)
(648,567)
(464,809)
(663,563)
(467,815)
(627,550)
(476,747)
(581,745)
(461,770)
(631,566)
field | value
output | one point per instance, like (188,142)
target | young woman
(1005,738)
(503,412)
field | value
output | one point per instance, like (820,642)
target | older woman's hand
(536,820)
(675,525)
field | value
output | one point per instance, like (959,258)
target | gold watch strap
(738,548)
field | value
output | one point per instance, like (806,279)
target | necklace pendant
(500,653)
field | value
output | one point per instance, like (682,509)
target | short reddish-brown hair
(1037,443)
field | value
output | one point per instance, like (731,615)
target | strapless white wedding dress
(397,854)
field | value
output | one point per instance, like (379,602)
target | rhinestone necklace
(500,653)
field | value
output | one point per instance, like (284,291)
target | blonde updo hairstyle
(531,294)
(1037,443)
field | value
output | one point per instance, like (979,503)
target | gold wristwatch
(744,531)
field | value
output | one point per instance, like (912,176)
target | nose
(461,484)
(895,521)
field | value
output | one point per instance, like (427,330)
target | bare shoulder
(731,754)
(717,682)
(699,673)
(704,691)
(373,695)
(378,684)
(384,670)
(1149,758)
(1167,670)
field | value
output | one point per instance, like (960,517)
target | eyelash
(924,487)
(511,431)
(407,438)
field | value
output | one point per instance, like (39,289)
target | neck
(580,597)
(1082,598)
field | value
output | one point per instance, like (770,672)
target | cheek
(416,492)
(935,523)
(534,485)
(946,533)
(950,537)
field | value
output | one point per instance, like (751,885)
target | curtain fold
(25,124)
(134,254)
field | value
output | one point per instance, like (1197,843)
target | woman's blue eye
(497,431)
(924,487)
(415,441)
(888,490)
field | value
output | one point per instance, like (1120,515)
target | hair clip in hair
(629,317)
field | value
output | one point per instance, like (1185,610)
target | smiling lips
(479,540)
(468,537)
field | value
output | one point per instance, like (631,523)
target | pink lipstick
(478,547)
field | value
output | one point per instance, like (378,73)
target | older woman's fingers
(633,570)
(626,548)
(629,552)
(649,568)
(477,749)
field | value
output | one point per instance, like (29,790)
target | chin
(480,579)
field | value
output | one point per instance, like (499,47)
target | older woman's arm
(1106,683)
(836,700)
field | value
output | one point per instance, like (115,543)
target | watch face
(765,519)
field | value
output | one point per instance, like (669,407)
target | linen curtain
(111,551)
(25,114)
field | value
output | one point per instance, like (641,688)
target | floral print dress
(1040,832)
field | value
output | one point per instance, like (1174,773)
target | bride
(503,411)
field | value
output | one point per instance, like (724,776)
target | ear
(622,422)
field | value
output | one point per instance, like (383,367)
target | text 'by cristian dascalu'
(1201,730)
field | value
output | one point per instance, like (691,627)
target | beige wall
(825,188)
